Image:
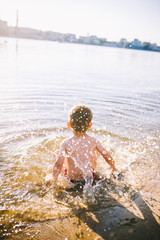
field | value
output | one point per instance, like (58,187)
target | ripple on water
(27,160)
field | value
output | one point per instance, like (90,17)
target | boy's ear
(90,125)
(68,125)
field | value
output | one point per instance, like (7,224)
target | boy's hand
(114,169)
(117,175)
(54,183)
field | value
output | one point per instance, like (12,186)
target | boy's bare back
(78,153)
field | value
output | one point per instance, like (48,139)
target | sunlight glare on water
(39,82)
(27,196)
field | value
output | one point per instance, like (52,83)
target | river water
(39,82)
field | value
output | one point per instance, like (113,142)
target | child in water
(77,155)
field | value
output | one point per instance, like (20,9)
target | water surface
(39,82)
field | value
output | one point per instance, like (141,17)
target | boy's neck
(78,134)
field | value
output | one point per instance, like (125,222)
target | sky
(111,19)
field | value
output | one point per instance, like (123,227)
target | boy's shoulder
(67,140)
(91,138)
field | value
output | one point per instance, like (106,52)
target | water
(39,82)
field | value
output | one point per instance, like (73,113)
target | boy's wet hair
(80,118)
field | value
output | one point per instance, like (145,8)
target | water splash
(27,160)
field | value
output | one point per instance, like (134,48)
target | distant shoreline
(99,45)
(29,33)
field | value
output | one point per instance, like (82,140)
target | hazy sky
(112,19)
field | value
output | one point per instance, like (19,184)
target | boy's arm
(58,164)
(106,156)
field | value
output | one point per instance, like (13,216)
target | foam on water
(27,194)
(121,87)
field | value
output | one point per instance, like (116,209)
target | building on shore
(123,43)
(3,27)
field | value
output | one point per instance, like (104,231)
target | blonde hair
(80,117)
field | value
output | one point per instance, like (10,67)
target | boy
(77,155)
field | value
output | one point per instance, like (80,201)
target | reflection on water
(39,82)
(26,196)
